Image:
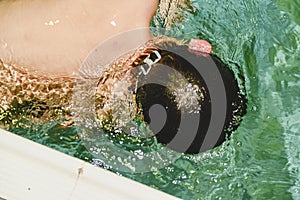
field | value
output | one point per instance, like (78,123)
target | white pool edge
(32,171)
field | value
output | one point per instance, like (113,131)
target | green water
(262,159)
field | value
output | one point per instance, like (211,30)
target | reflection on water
(262,158)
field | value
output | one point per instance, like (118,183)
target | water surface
(260,41)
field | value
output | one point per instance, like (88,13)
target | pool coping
(29,170)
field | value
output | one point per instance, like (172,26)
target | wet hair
(178,106)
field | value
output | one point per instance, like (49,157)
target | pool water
(260,41)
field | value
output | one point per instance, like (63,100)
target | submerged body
(44,43)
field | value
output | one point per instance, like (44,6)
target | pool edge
(29,170)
